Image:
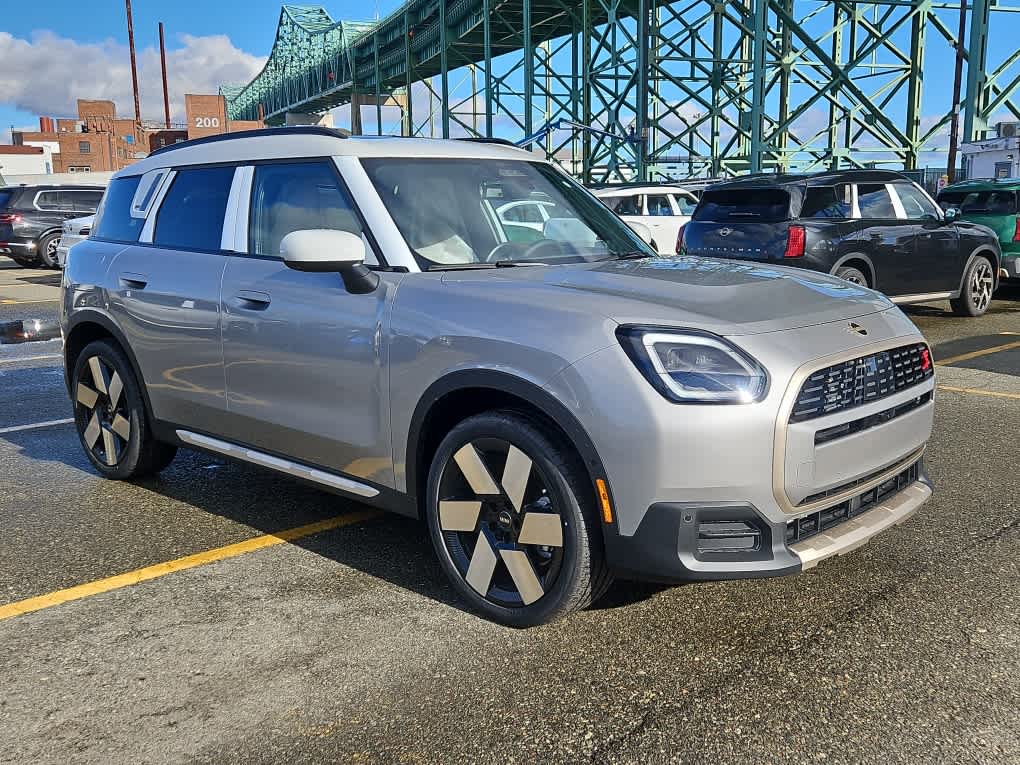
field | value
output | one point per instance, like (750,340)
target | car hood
(725,297)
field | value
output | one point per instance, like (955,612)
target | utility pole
(166,90)
(954,125)
(134,66)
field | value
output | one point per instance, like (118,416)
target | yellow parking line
(19,302)
(976,354)
(980,392)
(180,564)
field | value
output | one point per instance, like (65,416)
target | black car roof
(827,178)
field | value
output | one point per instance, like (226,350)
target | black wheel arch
(870,272)
(502,387)
(981,251)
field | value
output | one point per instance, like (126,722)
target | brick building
(98,140)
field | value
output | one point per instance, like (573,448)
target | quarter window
(916,205)
(874,202)
(191,216)
(113,220)
(295,197)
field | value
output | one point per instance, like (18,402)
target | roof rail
(286,130)
(499,141)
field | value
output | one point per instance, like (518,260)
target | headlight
(694,367)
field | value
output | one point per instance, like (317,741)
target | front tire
(110,416)
(978,285)
(47,251)
(511,514)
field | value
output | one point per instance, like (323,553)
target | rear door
(165,288)
(938,262)
(885,235)
(743,223)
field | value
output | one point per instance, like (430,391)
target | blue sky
(51,53)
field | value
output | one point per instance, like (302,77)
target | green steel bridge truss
(690,87)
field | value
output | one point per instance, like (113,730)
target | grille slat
(861,381)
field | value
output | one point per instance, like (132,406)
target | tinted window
(625,205)
(915,204)
(288,198)
(113,220)
(658,205)
(85,201)
(748,205)
(874,201)
(825,202)
(5,198)
(48,200)
(191,216)
(976,202)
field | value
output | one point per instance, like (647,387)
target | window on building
(113,220)
(191,216)
(84,147)
(294,197)
(874,202)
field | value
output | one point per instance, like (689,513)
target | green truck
(992,203)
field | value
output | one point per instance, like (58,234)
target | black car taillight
(680,239)
(795,237)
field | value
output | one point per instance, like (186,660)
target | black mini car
(31,219)
(871,227)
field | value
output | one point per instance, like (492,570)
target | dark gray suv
(32,217)
(559,405)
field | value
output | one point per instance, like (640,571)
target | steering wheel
(504,251)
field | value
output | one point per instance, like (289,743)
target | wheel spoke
(110,446)
(475,472)
(121,426)
(515,476)
(541,529)
(92,431)
(115,389)
(523,574)
(483,564)
(456,515)
(99,377)
(86,396)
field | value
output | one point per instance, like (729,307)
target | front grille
(815,523)
(862,380)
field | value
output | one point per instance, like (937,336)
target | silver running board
(921,297)
(277,463)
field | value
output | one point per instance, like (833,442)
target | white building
(997,157)
(25,160)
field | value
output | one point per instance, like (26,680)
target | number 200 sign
(207,122)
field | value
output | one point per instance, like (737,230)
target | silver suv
(556,403)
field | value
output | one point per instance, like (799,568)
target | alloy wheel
(981,282)
(103,415)
(505,539)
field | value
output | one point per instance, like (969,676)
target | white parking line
(30,358)
(33,426)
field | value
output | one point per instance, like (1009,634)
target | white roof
(621,191)
(294,143)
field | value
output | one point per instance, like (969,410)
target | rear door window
(114,220)
(874,202)
(743,206)
(85,201)
(191,216)
(658,205)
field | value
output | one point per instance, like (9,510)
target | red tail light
(680,238)
(925,359)
(794,242)
(10,218)
(1016,230)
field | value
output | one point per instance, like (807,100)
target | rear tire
(47,251)
(852,275)
(978,285)
(511,514)
(110,415)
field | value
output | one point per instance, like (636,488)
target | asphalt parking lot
(222,643)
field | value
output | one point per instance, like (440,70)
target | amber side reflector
(607,509)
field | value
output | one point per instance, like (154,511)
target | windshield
(473,212)
(980,202)
(743,205)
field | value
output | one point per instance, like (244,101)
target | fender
(857,256)
(95,316)
(982,250)
(504,383)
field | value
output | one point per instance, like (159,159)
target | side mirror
(950,214)
(644,233)
(322,250)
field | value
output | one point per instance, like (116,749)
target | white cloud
(45,75)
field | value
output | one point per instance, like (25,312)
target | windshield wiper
(631,255)
(459,266)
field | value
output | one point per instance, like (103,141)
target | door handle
(252,300)
(134,281)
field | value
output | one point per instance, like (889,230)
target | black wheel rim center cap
(504,519)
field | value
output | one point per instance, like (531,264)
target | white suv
(663,209)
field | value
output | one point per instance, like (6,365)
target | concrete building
(997,157)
